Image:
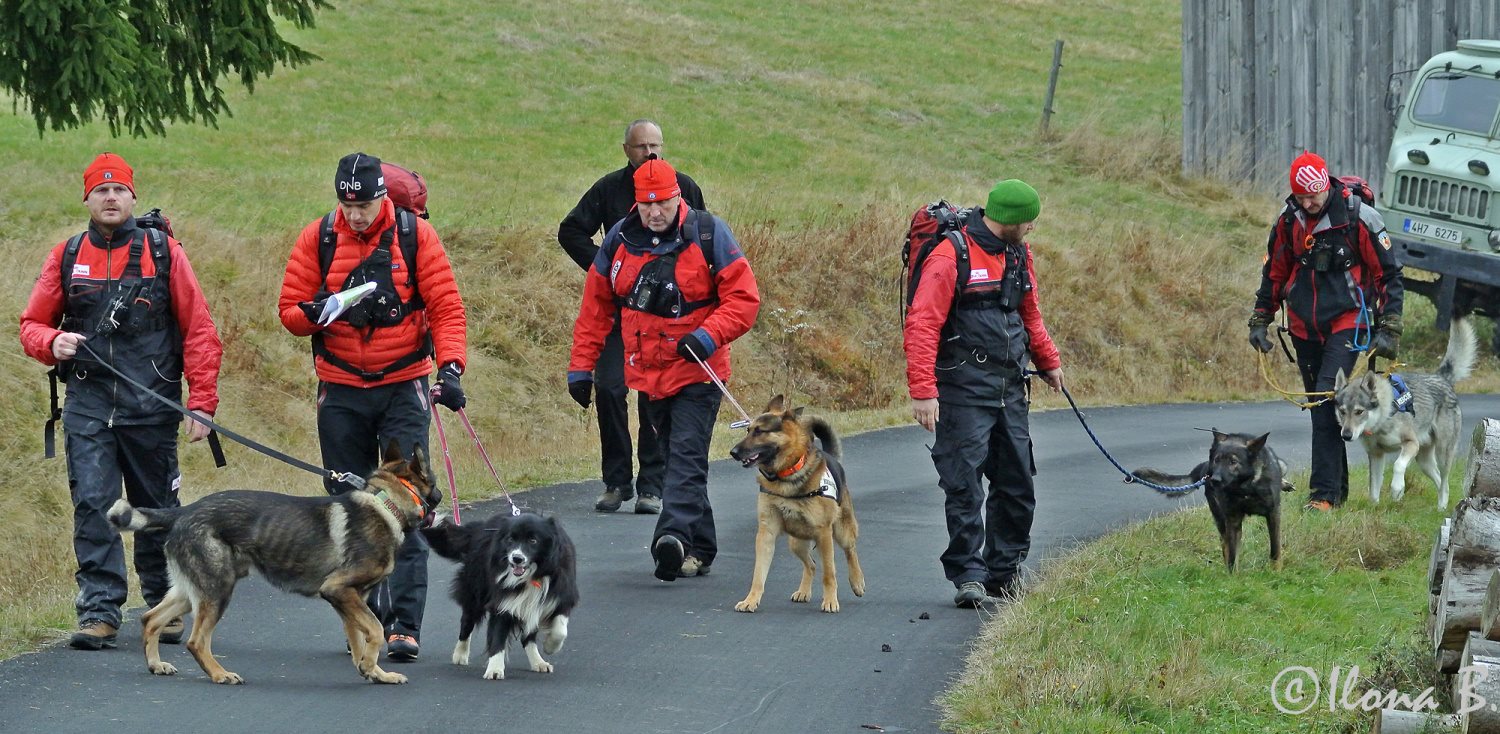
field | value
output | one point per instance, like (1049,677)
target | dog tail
(1458,362)
(826,436)
(1166,480)
(128,519)
(448,540)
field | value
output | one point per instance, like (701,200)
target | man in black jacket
(604,204)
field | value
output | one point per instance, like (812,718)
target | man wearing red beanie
(1329,266)
(608,201)
(126,296)
(675,280)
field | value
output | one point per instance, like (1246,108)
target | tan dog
(802,494)
(334,547)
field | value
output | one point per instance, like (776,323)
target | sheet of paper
(341,301)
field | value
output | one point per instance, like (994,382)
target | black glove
(447,392)
(582,392)
(1387,336)
(1258,338)
(693,344)
(313,309)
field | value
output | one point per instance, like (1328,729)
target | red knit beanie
(1309,175)
(108,168)
(655,180)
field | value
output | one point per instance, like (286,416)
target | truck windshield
(1459,101)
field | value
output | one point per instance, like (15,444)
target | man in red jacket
(682,291)
(373,359)
(966,359)
(126,296)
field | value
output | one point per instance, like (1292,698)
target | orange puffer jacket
(443,317)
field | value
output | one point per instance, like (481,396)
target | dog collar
(411,491)
(793,469)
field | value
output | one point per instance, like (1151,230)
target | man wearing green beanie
(966,370)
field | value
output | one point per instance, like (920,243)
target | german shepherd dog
(334,547)
(520,571)
(1242,476)
(1423,424)
(803,494)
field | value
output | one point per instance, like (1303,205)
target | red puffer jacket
(652,365)
(443,316)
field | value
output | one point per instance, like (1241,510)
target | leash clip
(358,482)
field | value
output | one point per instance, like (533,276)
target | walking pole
(447,460)
(745,417)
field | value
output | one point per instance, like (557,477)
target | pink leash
(447,460)
(464,415)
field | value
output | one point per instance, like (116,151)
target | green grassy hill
(814,129)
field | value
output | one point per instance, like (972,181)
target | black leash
(1130,478)
(345,477)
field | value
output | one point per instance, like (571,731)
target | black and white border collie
(519,570)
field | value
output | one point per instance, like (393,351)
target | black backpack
(157,227)
(930,225)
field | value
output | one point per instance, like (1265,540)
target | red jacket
(443,316)
(652,364)
(201,349)
(933,300)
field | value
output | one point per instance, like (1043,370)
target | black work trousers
(989,529)
(612,400)
(1319,363)
(100,458)
(354,423)
(685,425)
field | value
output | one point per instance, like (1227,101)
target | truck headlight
(1494,239)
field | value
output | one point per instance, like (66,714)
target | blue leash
(1129,477)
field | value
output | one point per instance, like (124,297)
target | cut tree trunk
(1396,721)
(1473,555)
(1482,477)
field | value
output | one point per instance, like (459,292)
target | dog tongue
(517,570)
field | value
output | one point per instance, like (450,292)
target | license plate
(1433,230)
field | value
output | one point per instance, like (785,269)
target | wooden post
(1396,721)
(1052,84)
(1473,555)
(1480,676)
(1482,477)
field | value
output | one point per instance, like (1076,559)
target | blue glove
(696,343)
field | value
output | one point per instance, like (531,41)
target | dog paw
(541,666)
(380,676)
(496,669)
(229,679)
(747,606)
(161,668)
(801,596)
(461,653)
(553,644)
(494,675)
(831,606)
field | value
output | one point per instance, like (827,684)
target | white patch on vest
(826,486)
(979,274)
(176,483)
(1385,240)
(80,269)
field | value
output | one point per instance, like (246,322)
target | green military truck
(1441,175)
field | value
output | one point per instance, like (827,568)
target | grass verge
(1144,631)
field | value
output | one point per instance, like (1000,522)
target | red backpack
(930,225)
(406,188)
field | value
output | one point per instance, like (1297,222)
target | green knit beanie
(1012,201)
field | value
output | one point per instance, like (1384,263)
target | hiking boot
(93,635)
(693,567)
(648,504)
(612,497)
(1318,505)
(171,634)
(970,595)
(401,648)
(669,557)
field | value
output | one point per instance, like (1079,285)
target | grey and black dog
(1242,476)
(337,548)
(1423,422)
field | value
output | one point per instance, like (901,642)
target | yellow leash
(1292,396)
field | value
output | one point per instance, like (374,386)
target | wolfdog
(1423,421)
(334,547)
(803,494)
(1242,476)
(519,571)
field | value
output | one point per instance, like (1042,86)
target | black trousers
(685,425)
(354,423)
(1319,363)
(989,530)
(611,397)
(144,458)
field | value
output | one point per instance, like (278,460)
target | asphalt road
(645,656)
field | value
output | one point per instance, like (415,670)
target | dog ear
(797,412)
(1258,443)
(1340,380)
(418,463)
(775,405)
(1218,437)
(392,452)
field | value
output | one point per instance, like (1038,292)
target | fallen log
(1482,477)
(1396,721)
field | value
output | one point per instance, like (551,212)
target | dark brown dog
(802,494)
(334,547)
